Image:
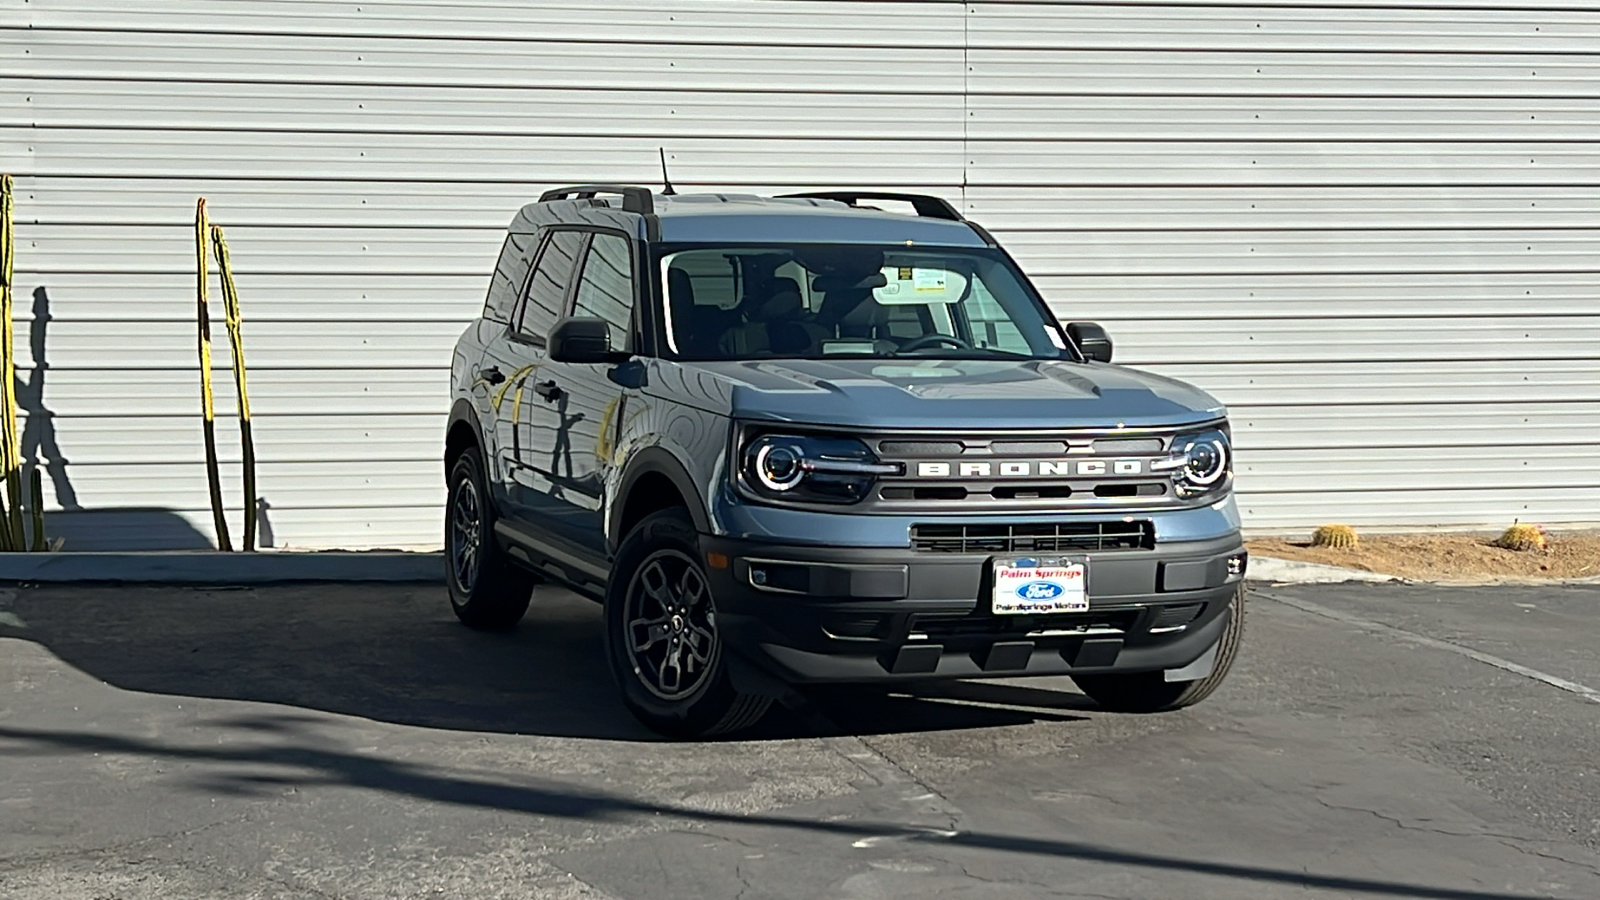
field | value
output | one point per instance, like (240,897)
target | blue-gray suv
(813,439)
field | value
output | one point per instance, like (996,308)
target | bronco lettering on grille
(1084,467)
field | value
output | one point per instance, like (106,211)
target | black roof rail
(635,199)
(926,205)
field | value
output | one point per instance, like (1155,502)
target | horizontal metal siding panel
(1355,424)
(1325,119)
(352,344)
(224,155)
(1323,295)
(484,65)
(852,24)
(445,301)
(1343,74)
(353,436)
(176,392)
(1303,252)
(1464,507)
(1348,339)
(383,109)
(1324,8)
(124,528)
(1487,380)
(1257,163)
(1259,27)
(1301,207)
(295,485)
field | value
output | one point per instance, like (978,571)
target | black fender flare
(463,412)
(656,460)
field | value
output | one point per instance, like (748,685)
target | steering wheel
(929,340)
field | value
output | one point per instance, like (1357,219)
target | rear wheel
(1151,692)
(662,639)
(487,590)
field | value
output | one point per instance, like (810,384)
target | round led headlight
(778,466)
(1205,459)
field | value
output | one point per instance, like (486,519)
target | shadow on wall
(39,432)
(111,529)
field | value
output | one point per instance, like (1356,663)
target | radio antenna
(665,178)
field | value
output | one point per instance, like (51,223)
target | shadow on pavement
(395,653)
(299,759)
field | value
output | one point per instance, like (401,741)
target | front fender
(655,460)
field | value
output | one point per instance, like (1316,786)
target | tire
(487,590)
(1147,692)
(662,642)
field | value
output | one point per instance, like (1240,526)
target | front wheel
(1145,692)
(662,639)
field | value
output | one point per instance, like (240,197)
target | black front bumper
(825,614)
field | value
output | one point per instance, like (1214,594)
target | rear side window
(547,289)
(605,290)
(516,257)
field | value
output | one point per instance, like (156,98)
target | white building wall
(1372,229)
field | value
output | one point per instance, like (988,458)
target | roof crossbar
(635,199)
(926,205)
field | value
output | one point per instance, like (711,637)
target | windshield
(824,300)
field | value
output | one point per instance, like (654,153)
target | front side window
(605,289)
(825,300)
(547,288)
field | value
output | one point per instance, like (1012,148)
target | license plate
(1031,586)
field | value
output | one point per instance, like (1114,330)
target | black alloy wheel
(672,627)
(666,651)
(487,590)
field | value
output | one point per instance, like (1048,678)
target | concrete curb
(1288,571)
(214,568)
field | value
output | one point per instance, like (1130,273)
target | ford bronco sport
(808,439)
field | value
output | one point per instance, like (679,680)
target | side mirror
(1091,339)
(582,339)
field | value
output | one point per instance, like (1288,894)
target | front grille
(1137,534)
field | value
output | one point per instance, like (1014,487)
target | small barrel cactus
(1339,537)
(1522,536)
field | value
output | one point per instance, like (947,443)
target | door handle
(549,390)
(492,374)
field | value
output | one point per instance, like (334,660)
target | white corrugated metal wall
(1372,228)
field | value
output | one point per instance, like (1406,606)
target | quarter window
(509,274)
(547,289)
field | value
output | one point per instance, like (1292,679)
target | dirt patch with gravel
(1448,557)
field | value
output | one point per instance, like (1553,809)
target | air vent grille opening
(1031,492)
(1169,617)
(1137,534)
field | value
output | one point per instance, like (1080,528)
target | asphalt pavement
(353,741)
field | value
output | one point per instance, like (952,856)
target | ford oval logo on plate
(1040,590)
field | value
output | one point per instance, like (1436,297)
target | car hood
(943,394)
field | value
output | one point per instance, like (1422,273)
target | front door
(580,407)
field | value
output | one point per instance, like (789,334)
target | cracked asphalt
(352,741)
